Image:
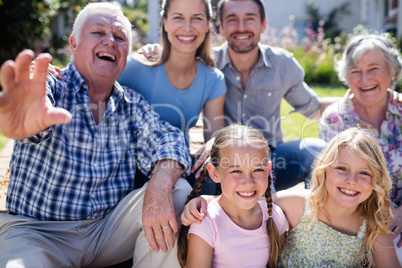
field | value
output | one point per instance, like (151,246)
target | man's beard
(241,49)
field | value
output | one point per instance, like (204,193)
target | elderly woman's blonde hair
(377,208)
(362,43)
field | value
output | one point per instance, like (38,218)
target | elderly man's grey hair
(102,8)
(359,45)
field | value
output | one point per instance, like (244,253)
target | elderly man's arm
(158,214)
(24,108)
(162,155)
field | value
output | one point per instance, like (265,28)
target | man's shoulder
(130,94)
(275,52)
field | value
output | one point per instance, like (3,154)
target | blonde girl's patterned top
(321,246)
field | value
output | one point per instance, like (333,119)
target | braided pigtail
(183,239)
(275,239)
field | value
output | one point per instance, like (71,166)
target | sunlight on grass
(295,126)
(3,141)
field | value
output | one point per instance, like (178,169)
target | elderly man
(72,199)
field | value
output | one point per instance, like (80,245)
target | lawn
(296,126)
(3,141)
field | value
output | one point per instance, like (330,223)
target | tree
(25,22)
(331,28)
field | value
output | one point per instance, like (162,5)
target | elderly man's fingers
(22,63)
(160,239)
(57,116)
(7,76)
(149,235)
(41,67)
(167,231)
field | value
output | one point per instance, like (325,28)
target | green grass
(3,141)
(296,126)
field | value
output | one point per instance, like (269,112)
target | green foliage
(26,23)
(3,141)
(330,22)
(318,65)
(139,19)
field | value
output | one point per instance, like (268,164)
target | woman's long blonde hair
(377,208)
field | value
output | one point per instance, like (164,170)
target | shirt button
(243,115)
(95,165)
(269,94)
(245,96)
(237,78)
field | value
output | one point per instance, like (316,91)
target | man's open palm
(24,109)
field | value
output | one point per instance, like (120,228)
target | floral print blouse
(342,115)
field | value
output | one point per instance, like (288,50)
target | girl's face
(370,78)
(243,173)
(186,25)
(348,180)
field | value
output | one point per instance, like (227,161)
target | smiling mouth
(368,88)
(242,35)
(186,38)
(106,56)
(247,194)
(348,192)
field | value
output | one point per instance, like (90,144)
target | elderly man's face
(103,47)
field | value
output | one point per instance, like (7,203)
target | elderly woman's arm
(396,225)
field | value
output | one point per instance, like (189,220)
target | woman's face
(186,25)
(370,78)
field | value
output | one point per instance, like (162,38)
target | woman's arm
(213,117)
(384,252)
(396,225)
(199,253)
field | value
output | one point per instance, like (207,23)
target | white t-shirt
(234,246)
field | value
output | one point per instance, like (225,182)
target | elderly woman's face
(370,78)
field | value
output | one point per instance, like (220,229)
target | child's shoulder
(292,203)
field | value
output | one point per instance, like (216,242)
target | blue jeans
(293,161)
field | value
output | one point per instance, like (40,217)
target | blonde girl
(239,229)
(343,220)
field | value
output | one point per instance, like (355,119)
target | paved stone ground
(196,141)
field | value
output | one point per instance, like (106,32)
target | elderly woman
(370,66)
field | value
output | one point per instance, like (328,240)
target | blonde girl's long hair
(377,208)
(204,53)
(234,133)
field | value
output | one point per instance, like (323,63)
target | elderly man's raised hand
(24,108)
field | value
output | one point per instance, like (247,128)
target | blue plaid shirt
(82,170)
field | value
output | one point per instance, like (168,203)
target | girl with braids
(239,229)
(342,221)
